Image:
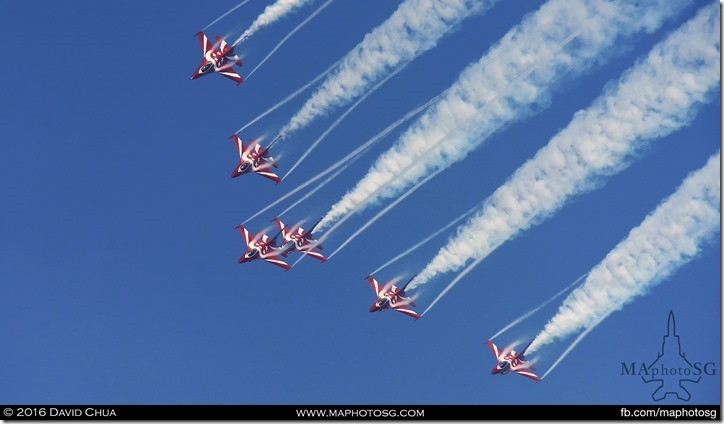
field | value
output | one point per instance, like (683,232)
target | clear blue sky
(118,267)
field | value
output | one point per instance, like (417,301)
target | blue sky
(119,252)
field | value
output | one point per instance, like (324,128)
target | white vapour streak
(537,308)
(414,28)
(570,348)
(288,36)
(271,14)
(459,277)
(658,96)
(511,81)
(314,190)
(289,97)
(668,238)
(351,157)
(339,120)
(226,14)
(425,240)
(381,213)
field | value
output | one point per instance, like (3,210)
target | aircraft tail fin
(402,290)
(522,352)
(308,233)
(493,348)
(205,43)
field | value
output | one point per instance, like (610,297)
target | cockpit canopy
(244,167)
(382,302)
(252,253)
(206,68)
(503,366)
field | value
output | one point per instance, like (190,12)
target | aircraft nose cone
(373,308)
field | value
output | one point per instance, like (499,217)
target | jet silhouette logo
(671,371)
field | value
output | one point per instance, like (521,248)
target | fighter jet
(254,158)
(512,361)
(218,58)
(295,238)
(390,297)
(260,247)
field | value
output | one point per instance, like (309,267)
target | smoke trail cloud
(510,81)
(537,308)
(426,239)
(289,97)
(271,14)
(288,36)
(339,120)
(658,96)
(380,214)
(312,191)
(667,239)
(414,28)
(570,348)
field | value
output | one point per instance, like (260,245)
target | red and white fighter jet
(260,247)
(295,238)
(390,297)
(509,360)
(254,158)
(218,58)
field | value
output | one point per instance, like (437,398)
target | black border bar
(360,412)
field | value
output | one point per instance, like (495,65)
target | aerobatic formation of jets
(517,204)
(254,158)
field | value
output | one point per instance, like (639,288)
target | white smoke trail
(658,96)
(573,345)
(271,14)
(225,14)
(459,277)
(669,237)
(289,97)
(382,212)
(537,308)
(314,190)
(339,120)
(512,81)
(351,157)
(425,155)
(422,158)
(414,28)
(288,36)
(425,240)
